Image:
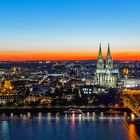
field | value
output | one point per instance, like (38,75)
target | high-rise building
(105,74)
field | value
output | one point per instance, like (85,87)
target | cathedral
(105,74)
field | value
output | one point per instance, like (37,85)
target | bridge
(131,99)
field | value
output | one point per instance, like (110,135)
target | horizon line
(27,60)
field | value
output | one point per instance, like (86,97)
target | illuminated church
(105,74)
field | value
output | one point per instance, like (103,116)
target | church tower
(109,61)
(100,61)
(105,75)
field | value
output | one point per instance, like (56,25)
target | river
(47,126)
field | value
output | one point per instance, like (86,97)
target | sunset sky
(69,29)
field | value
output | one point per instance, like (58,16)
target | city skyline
(69,69)
(68,29)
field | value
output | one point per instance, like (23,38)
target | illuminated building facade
(7,93)
(105,74)
(6,88)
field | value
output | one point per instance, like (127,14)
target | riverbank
(60,109)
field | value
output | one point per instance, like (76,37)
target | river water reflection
(47,126)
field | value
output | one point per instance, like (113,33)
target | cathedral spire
(109,61)
(100,61)
(108,51)
(100,51)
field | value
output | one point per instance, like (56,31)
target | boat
(73,111)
